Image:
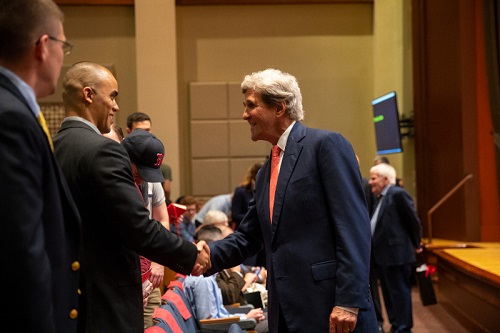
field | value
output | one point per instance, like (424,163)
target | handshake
(202,263)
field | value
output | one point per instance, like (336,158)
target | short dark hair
(136,117)
(209,233)
(188,200)
(22,22)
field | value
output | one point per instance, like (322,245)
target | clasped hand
(203,260)
(342,321)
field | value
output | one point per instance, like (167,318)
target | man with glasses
(67,47)
(40,228)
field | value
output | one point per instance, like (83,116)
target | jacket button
(75,266)
(73,314)
(79,291)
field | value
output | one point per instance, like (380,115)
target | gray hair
(23,22)
(215,217)
(274,87)
(385,170)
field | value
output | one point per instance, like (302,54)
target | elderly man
(309,214)
(396,232)
(116,224)
(40,228)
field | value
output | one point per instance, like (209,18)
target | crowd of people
(85,234)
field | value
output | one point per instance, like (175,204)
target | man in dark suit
(40,228)
(317,235)
(116,224)
(396,232)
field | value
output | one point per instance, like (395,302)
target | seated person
(233,284)
(219,202)
(235,281)
(185,226)
(205,295)
(217,218)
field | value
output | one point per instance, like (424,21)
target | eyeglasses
(67,47)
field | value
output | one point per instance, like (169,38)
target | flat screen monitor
(386,121)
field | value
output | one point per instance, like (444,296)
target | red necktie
(275,161)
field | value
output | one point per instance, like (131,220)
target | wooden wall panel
(444,97)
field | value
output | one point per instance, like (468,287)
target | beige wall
(106,35)
(329,48)
(339,53)
(393,72)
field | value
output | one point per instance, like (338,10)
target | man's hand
(203,261)
(257,314)
(157,272)
(342,321)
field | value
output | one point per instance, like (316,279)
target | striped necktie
(43,123)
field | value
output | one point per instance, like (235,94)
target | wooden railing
(441,202)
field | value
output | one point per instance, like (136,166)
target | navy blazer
(116,226)
(40,226)
(398,231)
(318,246)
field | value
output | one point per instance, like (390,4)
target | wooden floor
(432,318)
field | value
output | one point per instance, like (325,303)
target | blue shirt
(206,298)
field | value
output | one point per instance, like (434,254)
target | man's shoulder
(398,193)
(80,134)
(320,134)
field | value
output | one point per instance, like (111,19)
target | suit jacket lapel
(290,158)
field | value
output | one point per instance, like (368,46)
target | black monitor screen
(386,121)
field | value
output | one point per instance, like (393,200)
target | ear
(87,94)
(41,48)
(280,109)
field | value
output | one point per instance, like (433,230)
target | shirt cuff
(351,310)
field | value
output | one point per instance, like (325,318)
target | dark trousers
(396,289)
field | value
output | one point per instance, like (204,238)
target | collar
(384,191)
(284,137)
(85,121)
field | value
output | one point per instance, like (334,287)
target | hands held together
(203,261)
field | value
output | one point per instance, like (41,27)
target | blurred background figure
(185,226)
(243,194)
(384,159)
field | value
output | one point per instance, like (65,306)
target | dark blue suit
(318,246)
(396,236)
(40,226)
